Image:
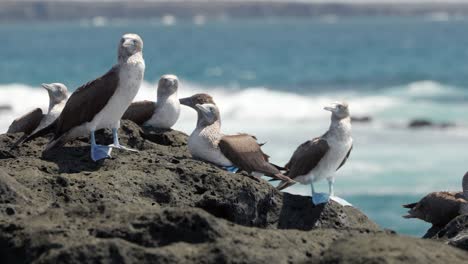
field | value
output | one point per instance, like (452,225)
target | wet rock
(5,108)
(361,119)
(424,123)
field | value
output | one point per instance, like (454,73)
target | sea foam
(261,106)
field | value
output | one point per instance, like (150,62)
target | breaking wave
(262,105)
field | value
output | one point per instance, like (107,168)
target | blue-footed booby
(241,151)
(321,157)
(102,102)
(163,113)
(36,120)
(200,98)
(439,208)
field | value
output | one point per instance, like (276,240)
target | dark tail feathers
(285,184)
(282,169)
(279,167)
(40,133)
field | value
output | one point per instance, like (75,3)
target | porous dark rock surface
(455,233)
(161,206)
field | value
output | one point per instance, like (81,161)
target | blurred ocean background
(272,77)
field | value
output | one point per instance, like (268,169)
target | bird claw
(99,152)
(118,146)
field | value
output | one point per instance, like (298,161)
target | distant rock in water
(161,206)
(424,123)
(361,119)
(5,108)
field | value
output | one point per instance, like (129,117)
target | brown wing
(140,112)
(27,123)
(346,158)
(87,101)
(306,157)
(244,152)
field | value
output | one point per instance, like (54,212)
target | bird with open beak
(439,208)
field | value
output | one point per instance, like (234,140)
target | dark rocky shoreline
(161,206)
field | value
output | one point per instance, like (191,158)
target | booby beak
(409,206)
(186,101)
(128,43)
(331,108)
(46,86)
(171,82)
(408,216)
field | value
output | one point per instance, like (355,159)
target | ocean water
(272,78)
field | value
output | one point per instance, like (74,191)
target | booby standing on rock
(320,158)
(102,102)
(439,208)
(163,113)
(36,120)
(241,151)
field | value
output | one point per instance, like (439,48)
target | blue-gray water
(273,77)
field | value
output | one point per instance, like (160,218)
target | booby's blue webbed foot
(340,201)
(117,144)
(99,152)
(231,169)
(320,198)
